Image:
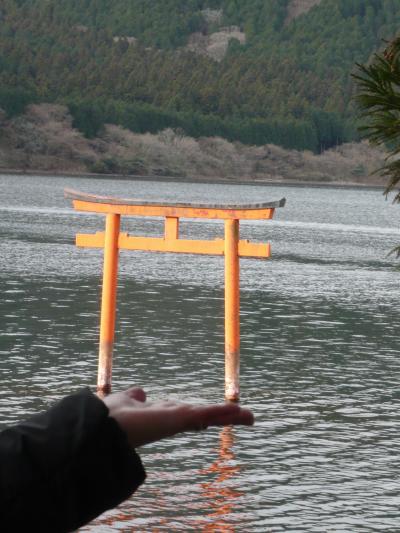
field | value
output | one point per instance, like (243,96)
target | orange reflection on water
(220,495)
(205,506)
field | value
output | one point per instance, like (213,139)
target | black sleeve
(64,467)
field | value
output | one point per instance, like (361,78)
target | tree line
(290,84)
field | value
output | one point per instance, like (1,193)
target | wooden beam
(185,246)
(171,231)
(176,211)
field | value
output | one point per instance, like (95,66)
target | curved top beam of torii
(139,207)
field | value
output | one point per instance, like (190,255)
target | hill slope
(298,7)
(287,81)
(43,139)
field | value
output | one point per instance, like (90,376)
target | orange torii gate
(231,247)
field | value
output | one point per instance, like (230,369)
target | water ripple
(319,363)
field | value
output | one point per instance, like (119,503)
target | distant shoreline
(203,180)
(167,156)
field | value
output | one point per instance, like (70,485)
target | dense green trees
(14,100)
(289,84)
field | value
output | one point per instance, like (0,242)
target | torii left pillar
(231,247)
(108,303)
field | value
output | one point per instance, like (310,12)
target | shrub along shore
(43,141)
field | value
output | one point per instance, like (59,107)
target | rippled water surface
(319,351)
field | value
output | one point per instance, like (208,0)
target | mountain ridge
(287,83)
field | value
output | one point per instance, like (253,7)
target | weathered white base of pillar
(232,371)
(104,375)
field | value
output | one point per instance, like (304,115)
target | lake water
(320,363)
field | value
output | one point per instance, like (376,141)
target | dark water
(320,352)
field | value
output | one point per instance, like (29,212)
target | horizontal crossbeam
(185,246)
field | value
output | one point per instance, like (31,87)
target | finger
(243,418)
(136,393)
(220,415)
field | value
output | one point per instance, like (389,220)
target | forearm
(64,467)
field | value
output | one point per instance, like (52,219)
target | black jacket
(64,467)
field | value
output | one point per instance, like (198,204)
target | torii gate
(231,247)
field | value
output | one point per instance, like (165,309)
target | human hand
(146,422)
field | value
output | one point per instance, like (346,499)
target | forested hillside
(126,62)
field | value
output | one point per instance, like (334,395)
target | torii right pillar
(232,310)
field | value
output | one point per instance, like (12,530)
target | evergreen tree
(125,61)
(379,100)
